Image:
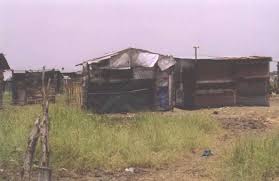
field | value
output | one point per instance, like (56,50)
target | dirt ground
(236,121)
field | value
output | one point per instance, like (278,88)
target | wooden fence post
(29,155)
(44,170)
(40,129)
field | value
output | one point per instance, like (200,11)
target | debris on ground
(63,170)
(131,170)
(215,112)
(207,152)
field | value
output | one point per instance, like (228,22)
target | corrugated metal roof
(115,53)
(104,57)
(33,71)
(257,58)
(133,57)
(231,58)
(3,62)
(19,71)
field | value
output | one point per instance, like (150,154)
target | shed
(70,77)
(27,86)
(3,66)
(128,80)
(225,81)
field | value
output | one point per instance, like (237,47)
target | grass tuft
(254,158)
(80,140)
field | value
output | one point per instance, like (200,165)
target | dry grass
(253,158)
(82,141)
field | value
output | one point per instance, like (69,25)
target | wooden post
(45,171)
(29,155)
(41,128)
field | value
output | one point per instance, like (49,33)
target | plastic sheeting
(141,59)
(166,63)
(146,59)
(121,62)
(132,58)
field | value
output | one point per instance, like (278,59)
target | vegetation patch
(80,140)
(253,158)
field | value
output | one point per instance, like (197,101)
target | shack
(226,81)
(3,66)
(70,77)
(72,87)
(27,86)
(128,80)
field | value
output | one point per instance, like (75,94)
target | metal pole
(196,51)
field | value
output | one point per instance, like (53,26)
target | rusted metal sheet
(225,81)
(213,70)
(253,100)
(250,70)
(215,98)
(252,87)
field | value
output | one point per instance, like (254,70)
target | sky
(63,33)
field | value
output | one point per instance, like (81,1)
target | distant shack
(227,81)
(70,77)
(27,86)
(128,80)
(3,66)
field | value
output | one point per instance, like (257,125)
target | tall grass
(80,140)
(254,158)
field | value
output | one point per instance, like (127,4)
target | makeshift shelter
(3,66)
(72,88)
(27,86)
(128,80)
(227,81)
(74,77)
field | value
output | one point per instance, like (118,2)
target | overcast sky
(62,33)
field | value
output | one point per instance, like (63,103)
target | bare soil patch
(240,124)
